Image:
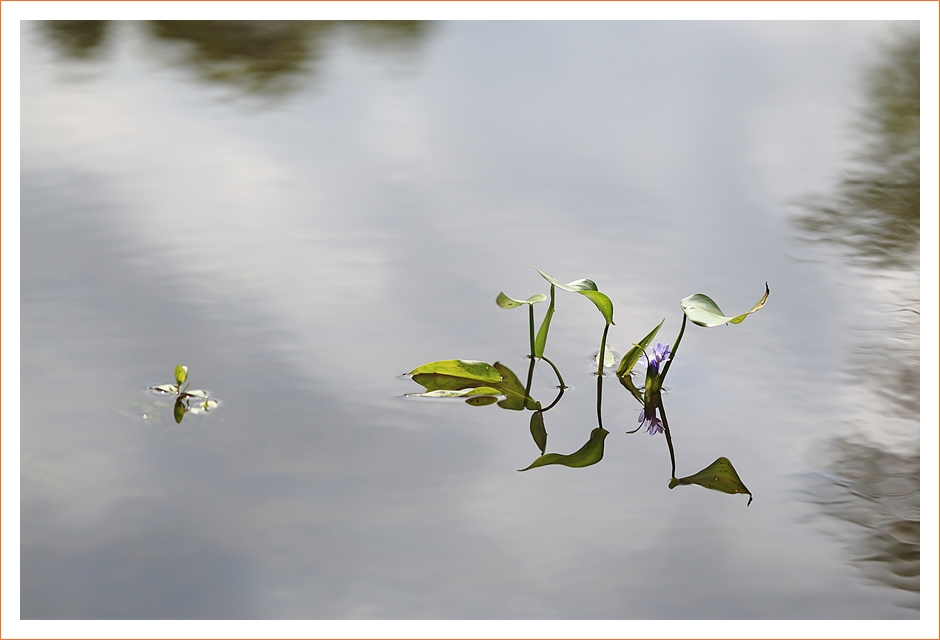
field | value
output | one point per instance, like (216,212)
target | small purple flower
(649,420)
(660,355)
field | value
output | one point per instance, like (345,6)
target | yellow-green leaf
(590,453)
(704,311)
(511,303)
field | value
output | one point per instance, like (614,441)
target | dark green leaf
(590,453)
(542,335)
(179,410)
(537,428)
(633,355)
(511,388)
(480,401)
(719,475)
(704,311)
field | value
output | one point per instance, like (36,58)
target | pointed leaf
(511,303)
(469,369)
(511,388)
(633,355)
(181,373)
(719,475)
(603,304)
(537,429)
(704,311)
(179,410)
(590,453)
(576,286)
(542,335)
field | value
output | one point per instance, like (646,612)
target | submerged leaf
(537,428)
(704,311)
(590,453)
(511,303)
(719,475)
(633,355)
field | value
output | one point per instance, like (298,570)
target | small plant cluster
(480,383)
(188,400)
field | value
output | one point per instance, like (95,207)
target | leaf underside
(719,476)
(703,311)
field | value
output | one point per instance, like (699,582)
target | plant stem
(561,382)
(600,388)
(662,413)
(531,332)
(600,356)
(675,347)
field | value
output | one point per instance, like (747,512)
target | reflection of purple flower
(660,355)
(649,420)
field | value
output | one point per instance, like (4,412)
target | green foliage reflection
(188,400)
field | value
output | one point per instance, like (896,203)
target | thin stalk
(675,347)
(531,331)
(600,374)
(528,380)
(561,382)
(672,453)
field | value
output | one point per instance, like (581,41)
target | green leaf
(166,388)
(590,453)
(704,311)
(179,410)
(542,336)
(511,388)
(511,303)
(537,428)
(576,286)
(468,369)
(633,355)
(588,289)
(719,475)
(195,393)
(181,373)
(457,393)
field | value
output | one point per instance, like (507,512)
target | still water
(300,213)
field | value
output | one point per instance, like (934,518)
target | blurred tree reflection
(258,56)
(264,56)
(880,493)
(78,38)
(874,217)
(876,214)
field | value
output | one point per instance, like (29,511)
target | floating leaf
(542,336)
(195,393)
(470,369)
(588,289)
(165,388)
(608,357)
(719,475)
(537,428)
(456,393)
(590,453)
(704,311)
(511,303)
(633,355)
(181,373)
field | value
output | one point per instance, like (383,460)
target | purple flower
(649,420)
(660,355)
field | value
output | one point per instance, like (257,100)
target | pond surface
(300,213)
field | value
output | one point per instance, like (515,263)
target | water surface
(302,212)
